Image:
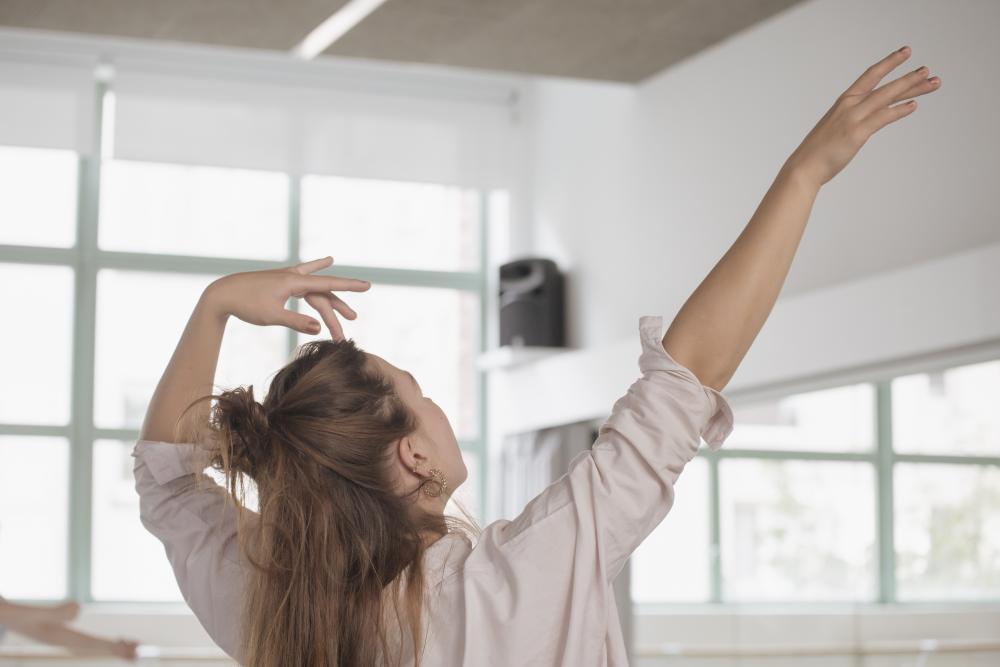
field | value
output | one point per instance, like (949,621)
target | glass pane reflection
(127,561)
(947,529)
(956,411)
(191,210)
(390,223)
(36,345)
(797,530)
(140,318)
(837,419)
(662,571)
(34,525)
(38,205)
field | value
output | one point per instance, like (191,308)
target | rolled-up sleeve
(196,520)
(643,446)
(559,556)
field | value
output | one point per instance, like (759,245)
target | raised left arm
(189,374)
(257,297)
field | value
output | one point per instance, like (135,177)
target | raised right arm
(715,327)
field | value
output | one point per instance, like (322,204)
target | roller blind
(46,106)
(311,130)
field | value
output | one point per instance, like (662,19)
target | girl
(349,559)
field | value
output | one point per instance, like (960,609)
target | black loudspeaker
(531,303)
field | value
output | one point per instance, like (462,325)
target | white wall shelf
(516,355)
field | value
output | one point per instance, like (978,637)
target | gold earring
(440,483)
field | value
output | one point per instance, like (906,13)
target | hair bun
(244,424)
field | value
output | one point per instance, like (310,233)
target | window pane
(188,210)
(34,483)
(797,530)
(431,332)
(128,563)
(390,223)
(140,318)
(467,493)
(838,419)
(36,343)
(948,412)
(38,206)
(947,528)
(673,563)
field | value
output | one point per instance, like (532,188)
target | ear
(409,453)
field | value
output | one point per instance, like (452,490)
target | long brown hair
(333,549)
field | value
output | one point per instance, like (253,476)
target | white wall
(639,190)
(584,196)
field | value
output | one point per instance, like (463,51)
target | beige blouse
(532,591)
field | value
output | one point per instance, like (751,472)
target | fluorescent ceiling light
(335,27)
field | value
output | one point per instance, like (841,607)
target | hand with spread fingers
(859,112)
(259,297)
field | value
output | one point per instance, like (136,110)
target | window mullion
(84,335)
(886,538)
(715,546)
(481,373)
(294,236)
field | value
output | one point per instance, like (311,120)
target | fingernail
(903,48)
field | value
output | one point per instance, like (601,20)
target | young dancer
(48,626)
(349,559)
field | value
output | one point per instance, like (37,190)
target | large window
(874,492)
(102,269)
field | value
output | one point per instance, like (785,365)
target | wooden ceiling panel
(615,40)
(263,24)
